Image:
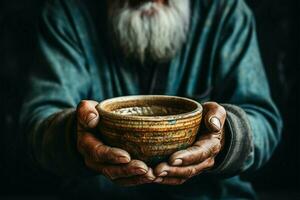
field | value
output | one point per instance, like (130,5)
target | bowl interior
(149,106)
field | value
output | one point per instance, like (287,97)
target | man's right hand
(113,163)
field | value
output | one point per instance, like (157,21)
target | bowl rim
(193,113)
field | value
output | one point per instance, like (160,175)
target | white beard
(157,36)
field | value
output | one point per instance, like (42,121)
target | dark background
(278,24)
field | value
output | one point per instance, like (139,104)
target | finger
(137,180)
(204,148)
(87,113)
(170,181)
(134,168)
(214,116)
(93,149)
(150,174)
(165,170)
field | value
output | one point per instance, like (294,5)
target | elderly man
(206,50)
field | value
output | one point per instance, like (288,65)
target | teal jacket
(219,62)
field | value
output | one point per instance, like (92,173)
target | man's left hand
(192,161)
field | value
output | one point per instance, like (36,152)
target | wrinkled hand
(113,163)
(184,164)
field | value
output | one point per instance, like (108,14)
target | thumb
(87,114)
(214,116)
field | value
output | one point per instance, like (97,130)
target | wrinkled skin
(185,164)
(117,165)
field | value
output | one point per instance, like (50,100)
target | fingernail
(216,122)
(158,180)
(177,162)
(151,178)
(140,171)
(163,174)
(90,118)
(123,159)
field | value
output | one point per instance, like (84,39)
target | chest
(188,79)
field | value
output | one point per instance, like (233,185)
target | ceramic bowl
(150,127)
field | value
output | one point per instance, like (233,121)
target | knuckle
(107,154)
(80,108)
(194,153)
(193,172)
(100,152)
(212,146)
(221,110)
(193,149)
(211,162)
(106,150)
(210,150)
(216,107)
(205,151)
(211,104)
(216,149)
(190,172)
(82,104)
(94,152)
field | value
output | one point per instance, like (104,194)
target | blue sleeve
(253,124)
(58,82)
